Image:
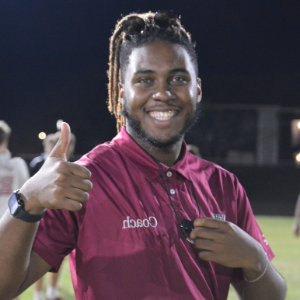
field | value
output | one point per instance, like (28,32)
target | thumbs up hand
(59,184)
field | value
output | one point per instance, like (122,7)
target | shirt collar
(144,162)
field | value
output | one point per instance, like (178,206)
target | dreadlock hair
(136,30)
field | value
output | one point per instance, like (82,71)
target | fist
(59,184)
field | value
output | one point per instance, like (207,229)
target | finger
(209,223)
(204,233)
(77,195)
(82,184)
(207,255)
(79,170)
(71,205)
(204,244)
(60,149)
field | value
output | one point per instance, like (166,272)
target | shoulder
(20,166)
(215,177)
(201,166)
(18,161)
(101,156)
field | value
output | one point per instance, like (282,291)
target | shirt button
(172,192)
(169,174)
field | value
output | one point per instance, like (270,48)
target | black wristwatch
(16,207)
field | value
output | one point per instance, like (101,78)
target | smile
(162,115)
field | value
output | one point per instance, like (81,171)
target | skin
(160,79)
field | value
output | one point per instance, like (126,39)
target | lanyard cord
(172,204)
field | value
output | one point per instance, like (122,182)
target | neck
(167,156)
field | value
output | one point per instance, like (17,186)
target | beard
(155,142)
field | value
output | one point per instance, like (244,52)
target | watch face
(13,204)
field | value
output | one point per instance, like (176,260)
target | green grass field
(278,232)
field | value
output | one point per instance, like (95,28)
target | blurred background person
(193,149)
(297,218)
(52,291)
(48,144)
(13,171)
(37,162)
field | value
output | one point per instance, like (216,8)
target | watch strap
(20,213)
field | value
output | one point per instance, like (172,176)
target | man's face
(160,94)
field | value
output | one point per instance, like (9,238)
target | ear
(121,92)
(199,90)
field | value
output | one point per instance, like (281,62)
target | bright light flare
(59,123)
(42,135)
(298,157)
(298,125)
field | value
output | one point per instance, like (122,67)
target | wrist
(16,207)
(31,206)
(257,270)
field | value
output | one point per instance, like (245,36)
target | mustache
(163,106)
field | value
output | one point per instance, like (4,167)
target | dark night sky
(54,59)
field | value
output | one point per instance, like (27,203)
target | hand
(59,184)
(226,244)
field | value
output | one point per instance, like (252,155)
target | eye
(178,80)
(144,81)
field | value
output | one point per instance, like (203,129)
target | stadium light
(42,135)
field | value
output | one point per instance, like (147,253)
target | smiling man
(159,222)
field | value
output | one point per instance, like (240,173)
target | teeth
(162,115)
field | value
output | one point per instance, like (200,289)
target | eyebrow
(148,72)
(179,70)
(143,72)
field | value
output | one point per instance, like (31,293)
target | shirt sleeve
(248,223)
(56,237)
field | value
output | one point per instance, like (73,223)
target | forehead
(159,56)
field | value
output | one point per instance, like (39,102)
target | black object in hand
(187,225)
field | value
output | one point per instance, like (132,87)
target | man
(132,236)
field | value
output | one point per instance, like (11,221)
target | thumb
(60,149)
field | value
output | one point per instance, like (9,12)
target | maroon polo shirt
(125,242)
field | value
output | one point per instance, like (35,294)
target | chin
(162,142)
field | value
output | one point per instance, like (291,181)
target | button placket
(172,192)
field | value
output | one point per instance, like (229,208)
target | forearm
(16,239)
(270,286)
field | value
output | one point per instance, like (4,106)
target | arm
(227,244)
(297,218)
(16,258)
(58,185)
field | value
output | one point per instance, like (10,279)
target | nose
(162,93)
